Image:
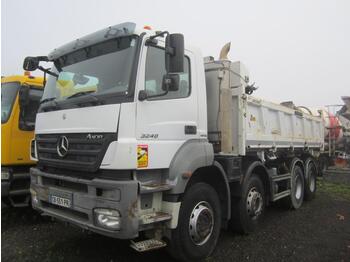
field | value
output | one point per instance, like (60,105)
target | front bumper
(15,182)
(86,196)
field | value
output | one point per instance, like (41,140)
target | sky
(295,50)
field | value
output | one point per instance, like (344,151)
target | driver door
(165,122)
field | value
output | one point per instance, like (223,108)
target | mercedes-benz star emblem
(62,146)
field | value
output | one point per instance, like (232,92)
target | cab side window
(34,103)
(28,113)
(155,70)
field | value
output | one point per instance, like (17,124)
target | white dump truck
(139,137)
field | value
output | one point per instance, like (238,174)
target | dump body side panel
(239,122)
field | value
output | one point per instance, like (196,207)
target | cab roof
(105,34)
(24,79)
(123,29)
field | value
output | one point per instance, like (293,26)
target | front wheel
(199,224)
(247,211)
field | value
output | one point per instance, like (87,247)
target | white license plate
(60,201)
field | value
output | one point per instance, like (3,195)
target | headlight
(5,173)
(107,218)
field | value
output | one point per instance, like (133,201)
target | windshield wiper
(47,106)
(83,93)
(95,99)
(48,100)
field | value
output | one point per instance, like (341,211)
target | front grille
(63,184)
(66,211)
(84,152)
(117,175)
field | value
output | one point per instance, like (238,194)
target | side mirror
(170,82)
(174,53)
(30,63)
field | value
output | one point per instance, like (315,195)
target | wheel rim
(298,186)
(254,203)
(201,223)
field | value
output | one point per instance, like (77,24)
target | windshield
(8,96)
(101,70)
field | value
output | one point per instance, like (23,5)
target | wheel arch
(297,162)
(258,168)
(215,176)
(306,161)
(191,156)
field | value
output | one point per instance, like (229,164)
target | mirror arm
(47,71)
(159,34)
(162,94)
(43,58)
(44,81)
(152,39)
(144,97)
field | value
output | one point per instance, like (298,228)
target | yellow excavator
(20,99)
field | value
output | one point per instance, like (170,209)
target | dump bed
(238,122)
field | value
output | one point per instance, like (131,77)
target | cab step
(152,188)
(147,245)
(154,218)
(281,177)
(281,195)
(19,192)
(16,176)
(22,202)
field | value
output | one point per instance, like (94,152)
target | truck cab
(124,150)
(20,97)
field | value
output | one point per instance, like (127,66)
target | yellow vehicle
(20,99)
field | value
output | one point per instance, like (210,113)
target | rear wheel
(199,224)
(247,211)
(296,197)
(310,179)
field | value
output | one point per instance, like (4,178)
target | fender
(294,161)
(307,162)
(249,171)
(192,155)
(227,193)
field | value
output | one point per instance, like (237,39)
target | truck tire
(323,166)
(310,179)
(296,197)
(248,210)
(198,226)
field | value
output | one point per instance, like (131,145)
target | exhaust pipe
(224,51)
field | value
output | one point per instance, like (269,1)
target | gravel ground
(318,231)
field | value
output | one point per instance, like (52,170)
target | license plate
(59,200)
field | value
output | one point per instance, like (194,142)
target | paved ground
(319,231)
